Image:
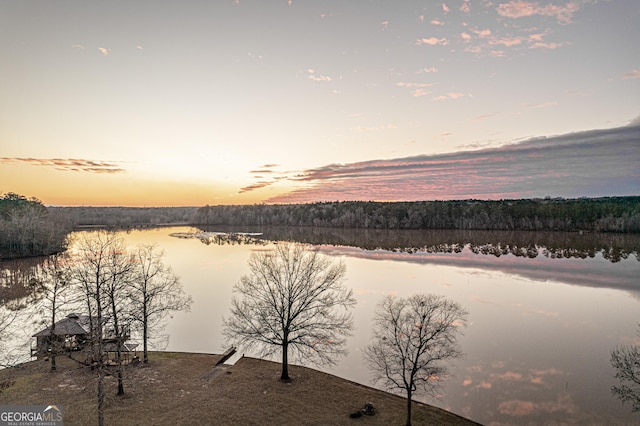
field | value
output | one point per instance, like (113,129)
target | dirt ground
(181,389)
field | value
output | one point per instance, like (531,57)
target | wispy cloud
(520,9)
(378,128)
(412,85)
(255,186)
(631,74)
(419,89)
(484,41)
(432,41)
(69,164)
(272,175)
(482,117)
(541,105)
(316,77)
(78,46)
(595,163)
(267,168)
(449,96)
(104,51)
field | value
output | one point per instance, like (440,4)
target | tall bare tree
(413,339)
(120,266)
(56,286)
(292,300)
(92,273)
(154,293)
(626,361)
(8,318)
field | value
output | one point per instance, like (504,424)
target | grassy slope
(179,388)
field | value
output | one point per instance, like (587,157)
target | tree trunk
(120,372)
(118,340)
(408,422)
(145,323)
(285,364)
(100,394)
(52,336)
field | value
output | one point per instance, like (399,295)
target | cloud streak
(69,164)
(631,74)
(521,9)
(593,163)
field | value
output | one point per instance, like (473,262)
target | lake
(545,309)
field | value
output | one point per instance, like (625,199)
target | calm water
(545,310)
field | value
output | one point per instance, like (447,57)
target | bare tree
(56,284)
(154,293)
(8,318)
(626,361)
(120,265)
(92,272)
(290,301)
(414,338)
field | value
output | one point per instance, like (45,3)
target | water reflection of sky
(539,336)
(590,272)
(537,348)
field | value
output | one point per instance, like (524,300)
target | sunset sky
(145,103)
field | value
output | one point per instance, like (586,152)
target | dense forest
(28,228)
(126,217)
(611,214)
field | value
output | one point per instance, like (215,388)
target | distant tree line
(126,217)
(28,228)
(610,214)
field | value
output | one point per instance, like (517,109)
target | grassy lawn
(181,388)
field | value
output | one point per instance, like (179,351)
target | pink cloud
(69,164)
(573,165)
(482,33)
(508,42)
(520,9)
(631,74)
(448,96)
(433,41)
(313,76)
(445,8)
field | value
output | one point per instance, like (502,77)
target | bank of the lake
(187,388)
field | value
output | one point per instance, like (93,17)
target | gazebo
(70,334)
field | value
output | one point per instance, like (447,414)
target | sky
(160,103)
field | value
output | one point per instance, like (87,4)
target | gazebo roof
(72,325)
